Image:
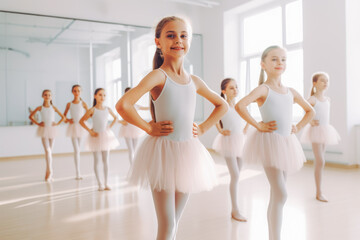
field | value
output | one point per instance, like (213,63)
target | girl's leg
(76,145)
(96,169)
(105,158)
(181,200)
(278,197)
(130,147)
(166,215)
(48,145)
(234,165)
(319,153)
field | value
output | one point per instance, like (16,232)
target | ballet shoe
(48,177)
(239,217)
(321,198)
(78,178)
(100,189)
(107,188)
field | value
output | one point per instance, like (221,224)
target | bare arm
(65,113)
(85,106)
(32,114)
(309,111)
(114,116)
(258,94)
(312,101)
(86,116)
(220,105)
(60,114)
(125,106)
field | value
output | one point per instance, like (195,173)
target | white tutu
(75,130)
(229,146)
(273,150)
(106,140)
(173,166)
(47,132)
(130,131)
(325,134)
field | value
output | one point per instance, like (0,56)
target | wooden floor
(70,209)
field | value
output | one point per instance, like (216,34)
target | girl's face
(274,63)
(100,96)
(231,90)
(76,91)
(322,83)
(47,96)
(174,39)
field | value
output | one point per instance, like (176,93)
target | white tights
(131,144)
(48,144)
(76,144)
(278,195)
(105,160)
(169,207)
(319,153)
(234,165)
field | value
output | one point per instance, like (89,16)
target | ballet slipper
(100,189)
(78,178)
(48,176)
(107,188)
(238,217)
(321,198)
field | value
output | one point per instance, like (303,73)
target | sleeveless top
(322,109)
(176,103)
(278,107)
(76,111)
(232,121)
(100,119)
(47,115)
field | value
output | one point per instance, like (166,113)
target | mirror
(43,52)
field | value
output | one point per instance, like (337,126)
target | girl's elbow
(120,106)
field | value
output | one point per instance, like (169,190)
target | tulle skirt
(131,131)
(229,146)
(169,165)
(105,141)
(273,150)
(47,132)
(75,130)
(325,134)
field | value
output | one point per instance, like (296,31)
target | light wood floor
(70,209)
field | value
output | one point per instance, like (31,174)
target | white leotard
(322,109)
(176,103)
(100,119)
(47,115)
(76,111)
(278,107)
(232,121)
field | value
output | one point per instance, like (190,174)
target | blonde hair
(263,56)
(43,92)
(315,78)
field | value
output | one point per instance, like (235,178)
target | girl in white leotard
(131,133)
(77,109)
(171,160)
(274,144)
(47,129)
(101,139)
(319,132)
(230,141)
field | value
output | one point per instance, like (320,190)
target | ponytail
(312,91)
(158,59)
(261,78)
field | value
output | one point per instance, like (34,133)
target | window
(274,24)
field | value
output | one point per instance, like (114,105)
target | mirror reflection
(42,52)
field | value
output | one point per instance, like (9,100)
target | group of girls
(100,139)
(172,160)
